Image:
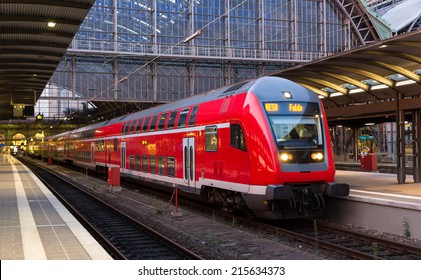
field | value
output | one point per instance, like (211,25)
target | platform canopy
(34,36)
(363,83)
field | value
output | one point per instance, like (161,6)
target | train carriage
(261,145)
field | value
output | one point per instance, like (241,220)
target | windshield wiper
(312,144)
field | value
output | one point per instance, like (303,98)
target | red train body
(262,145)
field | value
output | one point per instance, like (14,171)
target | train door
(92,152)
(189,163)
(123,155)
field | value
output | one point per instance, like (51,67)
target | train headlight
(317,156)
(286,157)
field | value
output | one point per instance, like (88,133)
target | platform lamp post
(40,117)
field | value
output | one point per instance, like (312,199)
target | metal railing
(136,49)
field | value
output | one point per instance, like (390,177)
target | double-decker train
(261,145)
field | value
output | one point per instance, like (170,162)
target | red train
(261,145)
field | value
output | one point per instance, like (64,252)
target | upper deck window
(145,125)
(171,119)
(162,121)
(183,117)
(139,125)
(126,130)
(193,115)
(153,123)
(133,126)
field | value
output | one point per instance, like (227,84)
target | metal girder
(340,77)
(55,3)
(367,74)
(397,69)
(407,56)
(299,77)
(315,89)
(359,20)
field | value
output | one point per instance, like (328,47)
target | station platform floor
(382,187)
(34,225)
(379,185)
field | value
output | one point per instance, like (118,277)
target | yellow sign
(271,107)
(295,108)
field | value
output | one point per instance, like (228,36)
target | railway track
(319,234)
(349,243)
(122,236)
(318,237)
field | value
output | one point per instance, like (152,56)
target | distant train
(261,145)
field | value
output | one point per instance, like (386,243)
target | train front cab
(305,167)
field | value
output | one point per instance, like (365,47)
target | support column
(355,135)
(400,140)
(416,138)
(154,81)
(191,70)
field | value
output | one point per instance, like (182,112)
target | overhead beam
(406,56)
(55,3)
(316,90)
(399,70)
(300,77)
(365,73)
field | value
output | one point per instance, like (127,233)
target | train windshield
(297,130)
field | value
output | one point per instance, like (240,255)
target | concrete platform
(378,202)
(34,225)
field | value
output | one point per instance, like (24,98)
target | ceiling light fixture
(51,24)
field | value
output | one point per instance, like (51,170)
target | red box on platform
(369,162)
(114,176)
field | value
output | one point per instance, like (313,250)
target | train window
(171,166)
(138,162)
(100,145)
(183,117)
(171,119)
(126,130)
(139,125)
(131,162)
(162,121)
(211,138)
(193,115)
(145,125)
(115,144)
(161,165)
(153,123)
(132,128)
(123,127)
(145,163)
(237,137)
(152,164)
